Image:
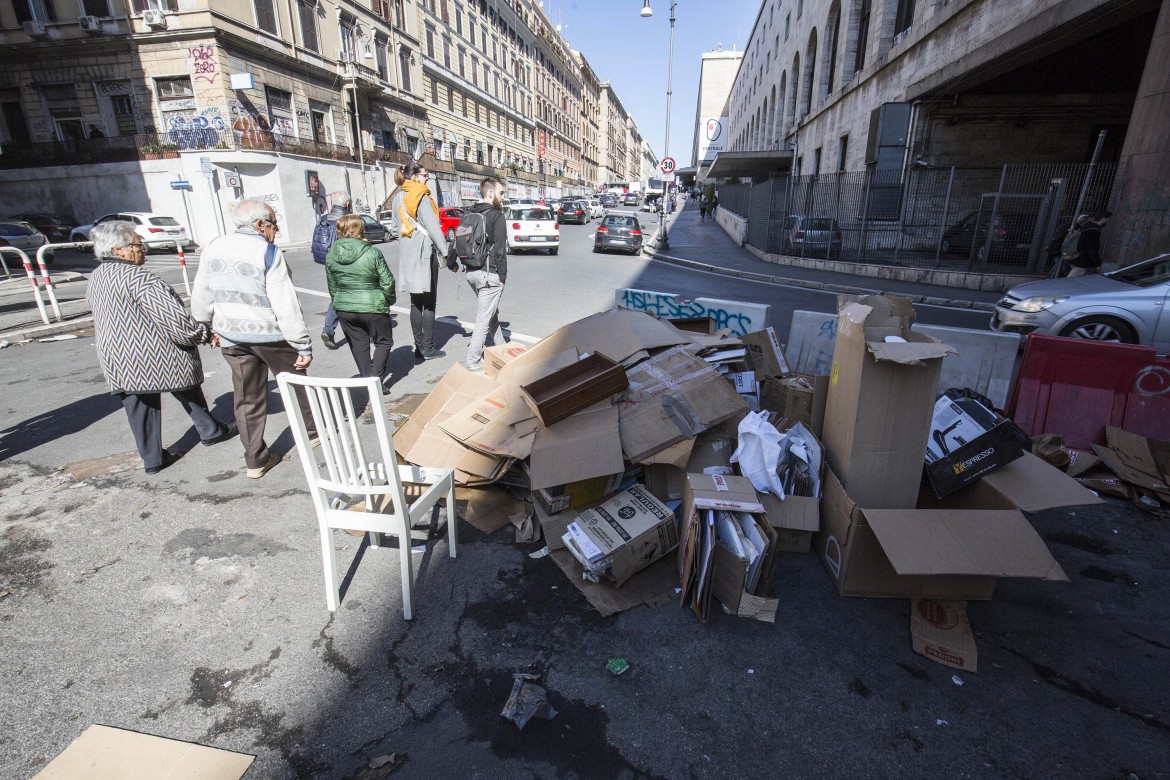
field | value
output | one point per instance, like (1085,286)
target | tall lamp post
(663,239)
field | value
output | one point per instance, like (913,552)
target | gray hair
(247,211)
(108,236)
(341,198)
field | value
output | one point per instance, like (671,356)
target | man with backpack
(323,237)
(481,247)
(1087,259)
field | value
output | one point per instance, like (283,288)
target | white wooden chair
(346,471)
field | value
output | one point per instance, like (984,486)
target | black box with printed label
(967,440)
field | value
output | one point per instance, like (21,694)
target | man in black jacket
(488,281)
(324,235)
(1088,259)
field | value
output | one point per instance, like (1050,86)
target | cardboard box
(624,535)
(967,440)
(704,325)
(498,424)
(583,446)
(764,354)
(573,388)
(948,549)
(573,495)
(744,382)
(1140,461)
(795,520)
(673,396)
(700,573)
(881,394)
(496,357)
(798,397)
(940,631)
(666,482)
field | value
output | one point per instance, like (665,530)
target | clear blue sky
(631,52)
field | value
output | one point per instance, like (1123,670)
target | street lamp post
(663,238)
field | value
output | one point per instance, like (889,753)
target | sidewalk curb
(953,303)
(40,331)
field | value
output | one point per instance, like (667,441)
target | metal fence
(994,220)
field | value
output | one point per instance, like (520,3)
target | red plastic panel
(1075,388)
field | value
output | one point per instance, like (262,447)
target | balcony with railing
(152,146)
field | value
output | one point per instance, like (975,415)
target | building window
(307,10)
(462,57)
(123,109)
(430,42)
(178,88)
(404,67)
(34,11)
(842,152)
(280,111)
(787,25)
(99,8)
(14,119)
(348,38)
(400,13)
(266,16)
(451,100)
(458,20)
(447,53)
(434,92)
(318,120)
(475,71)
(904,18)
(465,106)
(380,55)
(862,35)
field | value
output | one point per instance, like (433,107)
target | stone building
(717,70)
(614,151)
(591,122)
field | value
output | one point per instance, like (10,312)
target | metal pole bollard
(48,282)
(32,279)
(183,265)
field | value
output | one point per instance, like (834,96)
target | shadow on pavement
(56,424)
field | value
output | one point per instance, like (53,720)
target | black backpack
(471,240)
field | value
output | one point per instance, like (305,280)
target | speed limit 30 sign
(667,165)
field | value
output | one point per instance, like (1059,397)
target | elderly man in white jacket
(244,290)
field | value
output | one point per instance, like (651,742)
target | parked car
(1126,306)
(56,227)
(25,237)
(596,210)
(573,211)
(386,219)
(374,230)
(1011,238)
(449,217)
(811,235)
(618,231)
(532,227)
(631,199)
(158,231)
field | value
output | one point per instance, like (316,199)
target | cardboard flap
(998,543)
(1148,456)
(1032,485)
(582,446)
(107,753)
(910,353)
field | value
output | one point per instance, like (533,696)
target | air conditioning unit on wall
(35,29)
(91,24)
(154,19)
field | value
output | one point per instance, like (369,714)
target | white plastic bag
(758,453)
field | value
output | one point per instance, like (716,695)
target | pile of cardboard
(622,428)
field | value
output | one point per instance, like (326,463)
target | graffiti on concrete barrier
(1153,380)
(825,339)
(740,318)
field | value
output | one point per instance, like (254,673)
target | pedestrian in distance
(324,234)
(147,344)
(714,203)
(1088,255)
(244,289)
(421,243)
(1063,246)
(481,248)
(362,289)
(702,207)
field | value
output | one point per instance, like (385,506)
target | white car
(596,210)
(532,227)
(158,231)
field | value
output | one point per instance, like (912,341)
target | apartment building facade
(614,162)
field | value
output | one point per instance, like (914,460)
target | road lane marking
(512,335)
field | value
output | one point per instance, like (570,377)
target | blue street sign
(180,185)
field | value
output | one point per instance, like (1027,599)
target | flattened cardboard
(575,495)
(580,447)
(674,455)
(731,492)
(496,357)
(499,424)
(1032,485)
(457,377)
(486,508)
(764,353)
(673,396)
(729,574)
(105,753)
(652,587)
(940,631)
(554,526)
(880,399)
(1137,459)
(711,453)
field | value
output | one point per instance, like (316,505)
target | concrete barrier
(739,316)
(985,363)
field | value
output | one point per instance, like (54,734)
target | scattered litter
(5,344)
(617,665)
(751,671)
(543,551)
(527,701)
(941,722)
(418,548)
(228,684)
(5,593)
(956,679)
(61,337)
(392,761)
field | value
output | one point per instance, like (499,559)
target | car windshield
(15,229)
(1147,274)
(164,221)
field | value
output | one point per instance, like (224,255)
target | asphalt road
(190,605)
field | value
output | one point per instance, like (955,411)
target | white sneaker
(260,471)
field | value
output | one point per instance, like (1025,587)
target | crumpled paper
(527,701)
(758,453)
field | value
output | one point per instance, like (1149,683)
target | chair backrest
(346,468)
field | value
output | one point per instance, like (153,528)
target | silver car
(1126,306)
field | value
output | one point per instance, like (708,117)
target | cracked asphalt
(190,605)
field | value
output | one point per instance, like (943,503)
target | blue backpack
(323,237)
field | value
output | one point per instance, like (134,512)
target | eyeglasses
(423,175)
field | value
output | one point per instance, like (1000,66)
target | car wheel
(554,250)
(450,235)
(1108,329)
(77,238)
(596,249)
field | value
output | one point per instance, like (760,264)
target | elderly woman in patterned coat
(147,343)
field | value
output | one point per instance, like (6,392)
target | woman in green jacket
(362,289)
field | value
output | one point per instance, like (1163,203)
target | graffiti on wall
(204,68)
(197,130)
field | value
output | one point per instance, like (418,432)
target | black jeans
(363,329)
(144,413)
(422,311)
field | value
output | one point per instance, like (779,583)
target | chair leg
(375,539)
(329,562)
(452,521)
(405,551)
